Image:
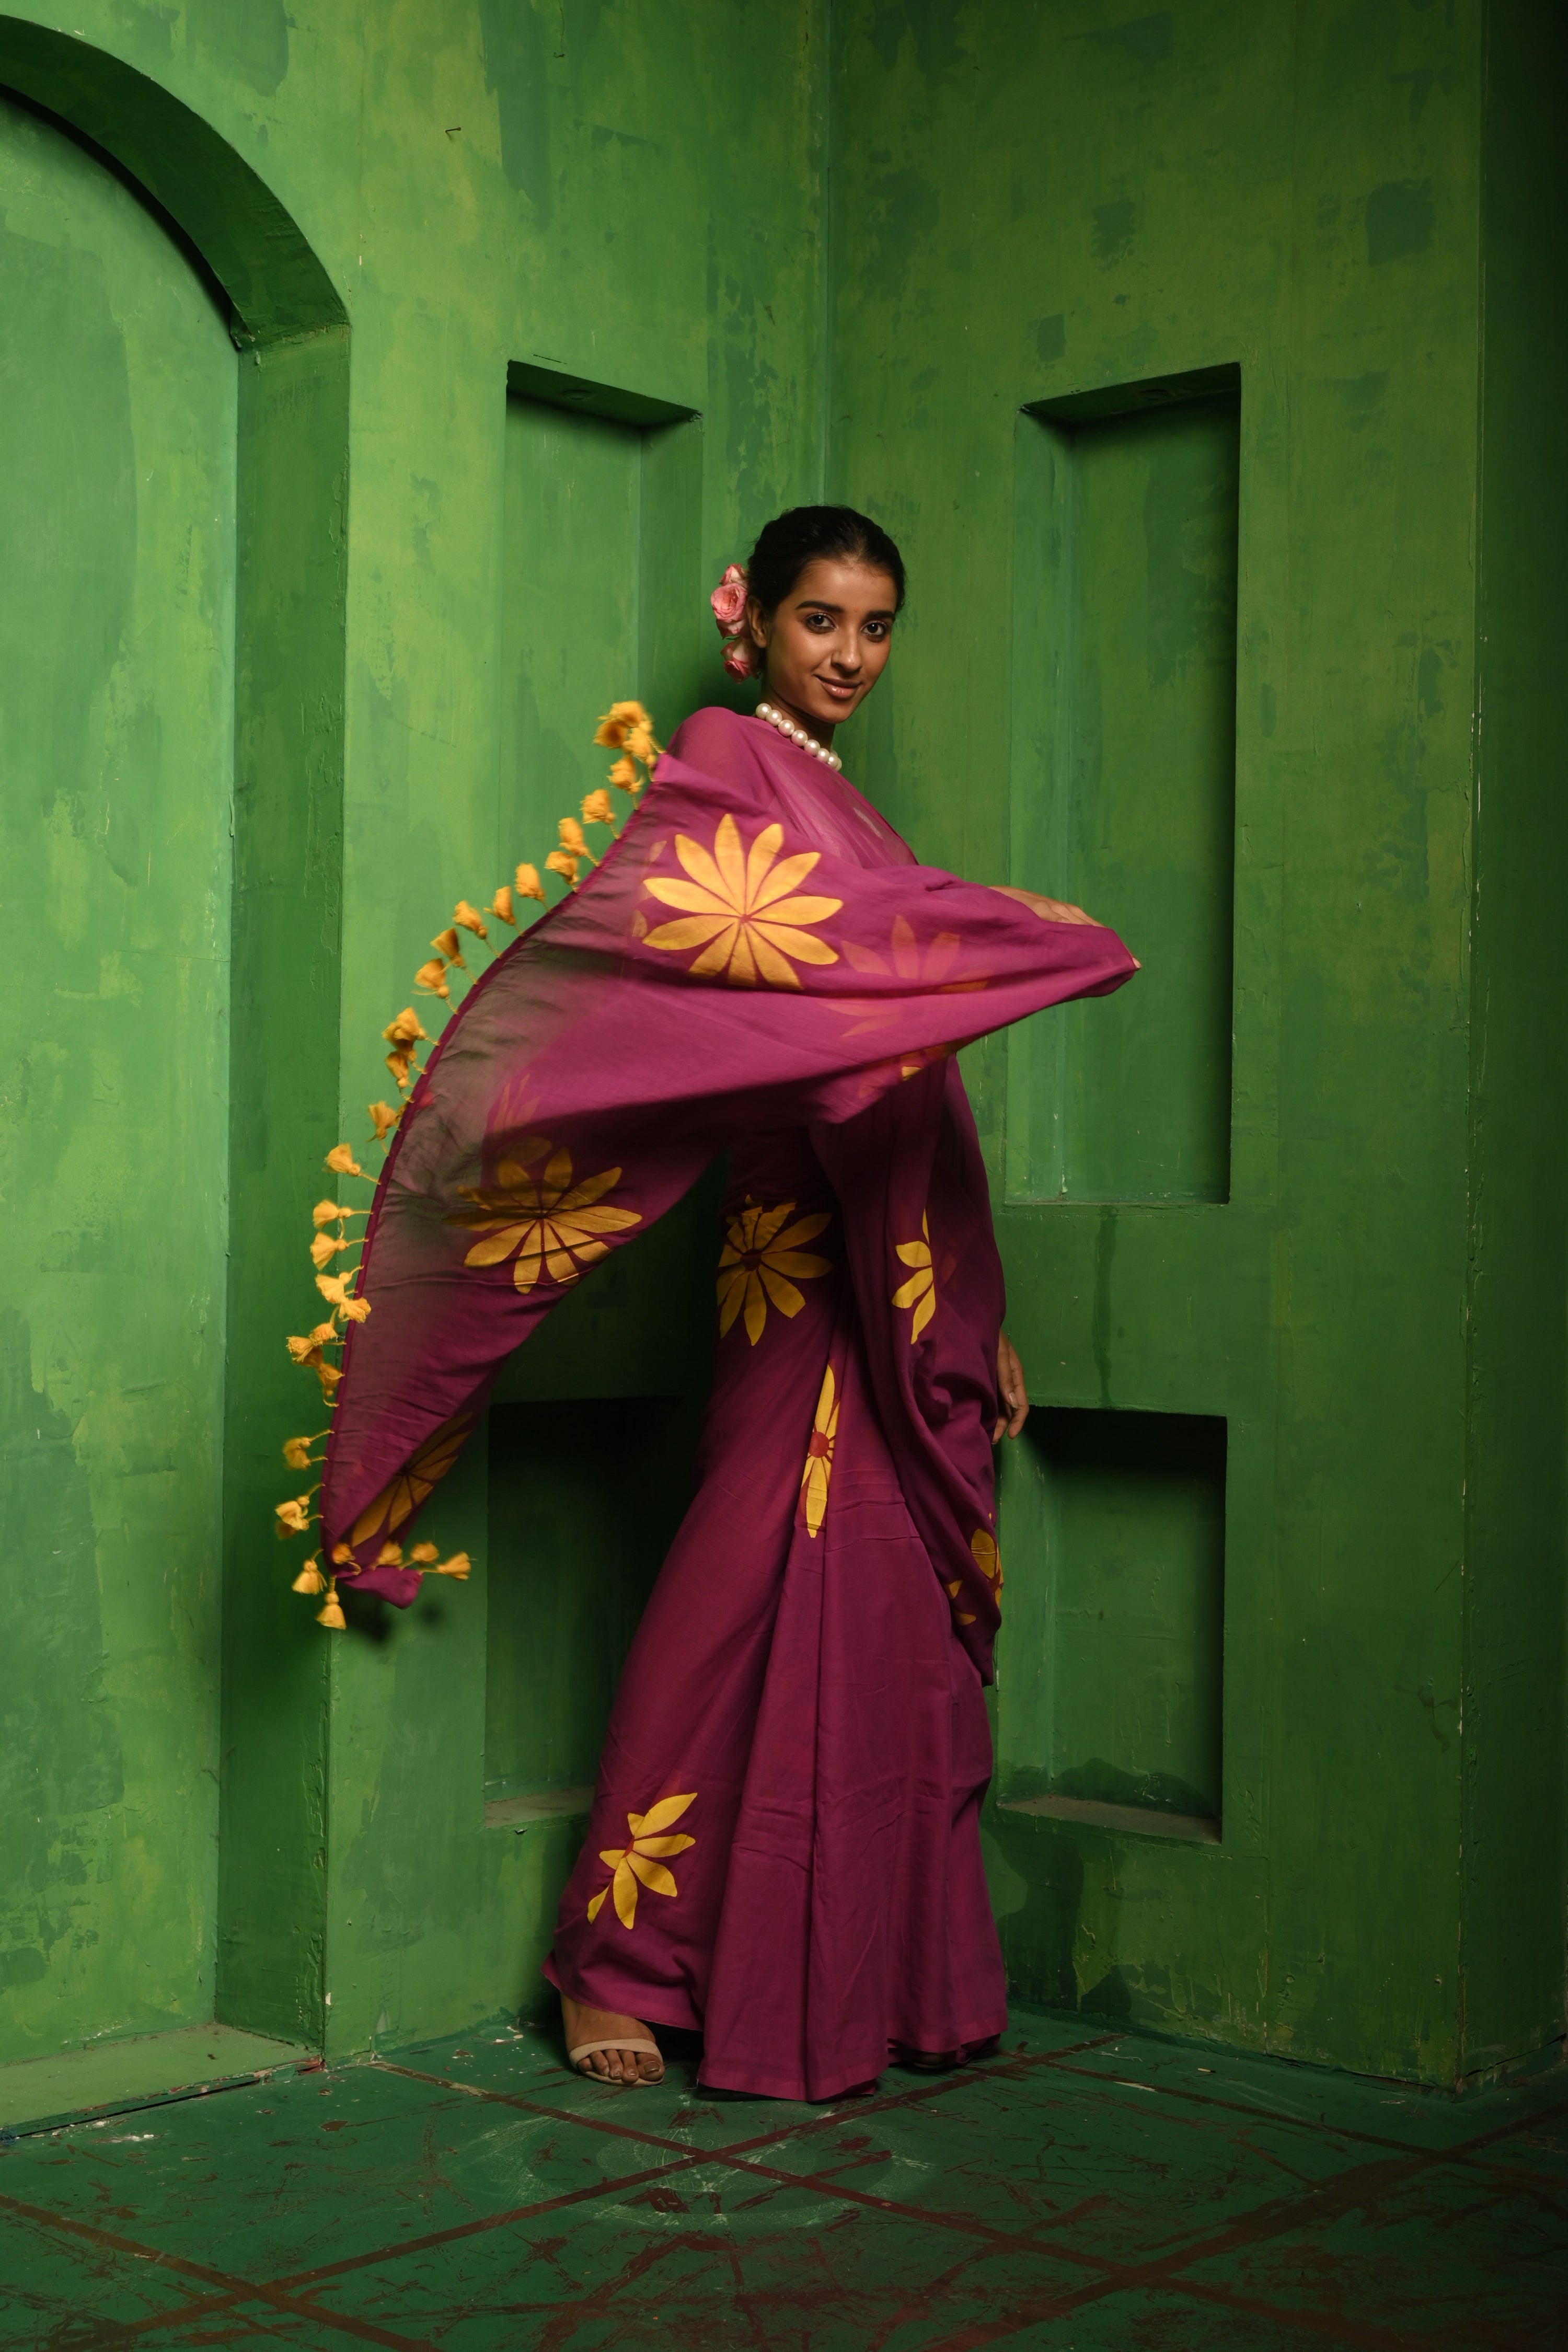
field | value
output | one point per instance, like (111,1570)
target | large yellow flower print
(920,1291)
(819,1454)
(762,1251)
(554,1226)
(742,910)
(640,1861)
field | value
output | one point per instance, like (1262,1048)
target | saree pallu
(784,1844)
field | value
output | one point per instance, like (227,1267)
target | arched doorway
(171,563)
(117,528)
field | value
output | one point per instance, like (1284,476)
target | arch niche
(114,1921)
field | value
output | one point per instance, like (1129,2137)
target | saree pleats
(825,1723)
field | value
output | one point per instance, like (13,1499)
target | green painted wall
(1197,358)
(117,548)
(1322,197)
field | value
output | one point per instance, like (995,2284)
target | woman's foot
(615,2063)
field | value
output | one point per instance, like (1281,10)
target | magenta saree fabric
(785,1846)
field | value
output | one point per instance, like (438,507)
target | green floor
(1081,2189)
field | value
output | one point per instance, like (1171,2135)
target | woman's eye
(817,621)
(877,629)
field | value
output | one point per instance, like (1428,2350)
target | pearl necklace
(798,734)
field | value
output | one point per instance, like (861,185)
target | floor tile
(1315,2097)
(116,2075)
(1116,2177)
(52,2283)
(709,2258)
(1445,2256)
(261,2181)
(1077,2190)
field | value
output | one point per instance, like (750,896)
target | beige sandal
(614,2042)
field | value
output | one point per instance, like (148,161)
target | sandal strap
(613,2041)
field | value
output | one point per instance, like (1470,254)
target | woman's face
(828,641)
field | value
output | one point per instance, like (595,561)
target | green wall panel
(573,1560)
(540,310)
(1124,739)
(117,493)
(1115,1641)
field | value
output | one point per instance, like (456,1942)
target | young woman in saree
(783,1852)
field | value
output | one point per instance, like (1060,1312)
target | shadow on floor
(1087,2187)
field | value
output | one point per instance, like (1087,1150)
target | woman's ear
(756,624)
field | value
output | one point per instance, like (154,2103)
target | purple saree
(784,1845)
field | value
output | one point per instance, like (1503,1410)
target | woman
(784,1850)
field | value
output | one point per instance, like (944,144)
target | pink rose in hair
(729,600)
(739,657)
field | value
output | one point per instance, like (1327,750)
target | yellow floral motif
(741,910)
(555,1226)
(819,1454)
(987,1559)
(418,1476)
(920,1291)
(642,1860)
(758,1259)
(931,965)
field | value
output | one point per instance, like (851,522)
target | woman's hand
(1049,910)
(1010,1385)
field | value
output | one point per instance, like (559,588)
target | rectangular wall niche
(574,1553)
(601,585)
(1124,782)
(1110,1667)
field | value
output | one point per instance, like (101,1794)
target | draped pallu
(785,1844)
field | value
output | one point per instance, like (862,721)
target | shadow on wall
(1036,1875)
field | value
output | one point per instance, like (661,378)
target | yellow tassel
(621,723)
(625,777)
(597,809)
(331,1615)
(328,1376)
(528,885)
(390,1555)
(422,1555)
(385,1119)
(404,1033)
(296,1451)
(324,1248)
(571,837)
(559,862)
(341,1160)
(459,1566)
(357,1309)
(342,1556)
(433,977)
(447,943)
(310,1579)
(500,906)
(294,1515)
(470,918)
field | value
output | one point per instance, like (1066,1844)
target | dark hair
(791,541)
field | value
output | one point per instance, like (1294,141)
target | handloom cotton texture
(783,1851)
